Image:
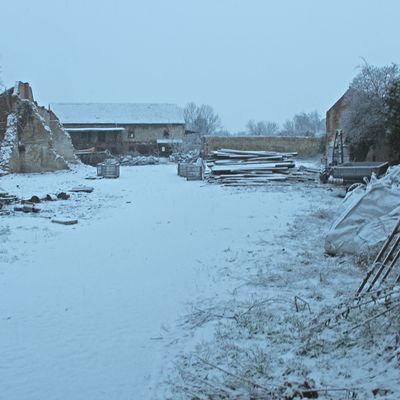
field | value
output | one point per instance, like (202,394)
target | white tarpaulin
(369,215)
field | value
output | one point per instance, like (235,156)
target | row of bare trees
(204,120)
(303,124)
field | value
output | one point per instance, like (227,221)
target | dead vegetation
(310,339)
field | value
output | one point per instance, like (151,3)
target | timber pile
(6,198)
(255,168)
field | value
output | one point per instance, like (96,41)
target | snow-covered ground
(162,276)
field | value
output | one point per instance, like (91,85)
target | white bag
(369,216)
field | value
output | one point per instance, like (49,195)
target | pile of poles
(252,168)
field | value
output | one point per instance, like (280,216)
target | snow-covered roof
(94,129)
(117,113)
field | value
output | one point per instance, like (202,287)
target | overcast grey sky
(254,59)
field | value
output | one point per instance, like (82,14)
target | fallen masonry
(27,208)
(30,205)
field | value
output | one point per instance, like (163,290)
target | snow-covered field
(164,286)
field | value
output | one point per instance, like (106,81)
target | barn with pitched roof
(122,127)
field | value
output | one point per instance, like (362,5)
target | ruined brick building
(334,121)
(334,117)
(31,137)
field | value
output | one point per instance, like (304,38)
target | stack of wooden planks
(238,168)
(6,198)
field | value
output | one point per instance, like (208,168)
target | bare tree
(308,124)
(303,124)
(288,128)
(262,128)
(365,118)
(201,119)
(393,119)
(2,86)
(190,115)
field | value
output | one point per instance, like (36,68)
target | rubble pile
(252,168)
(189,157)
(130,160)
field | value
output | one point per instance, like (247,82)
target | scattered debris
(50,197)
(34,199)
(65,222)
(189,157)
(82,189)
(63,196)
(28,205)
(27,208)
(92,157)
(131,160)
(6,199)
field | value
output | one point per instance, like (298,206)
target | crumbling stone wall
(23,90)
(5,109)
(33,150)
(304,146)
(62,142)
(28,144)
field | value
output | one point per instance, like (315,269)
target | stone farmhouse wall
(141,138)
